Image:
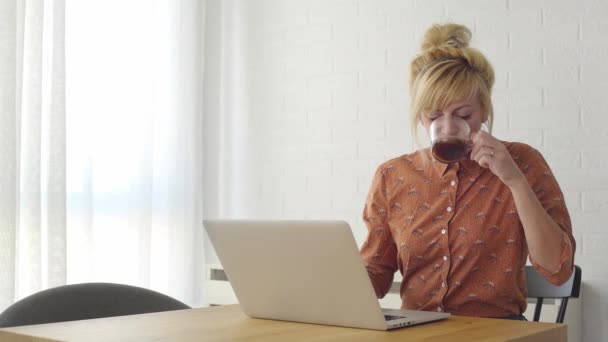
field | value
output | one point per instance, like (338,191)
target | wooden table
(228,323)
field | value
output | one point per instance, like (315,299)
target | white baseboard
(218,290)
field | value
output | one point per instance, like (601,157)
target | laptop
(303,271)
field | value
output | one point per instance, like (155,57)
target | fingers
(483,155)
(479,151)
(485,148)
(482,139)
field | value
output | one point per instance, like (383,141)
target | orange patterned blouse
(453,232)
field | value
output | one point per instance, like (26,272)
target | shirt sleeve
(549,194)
(379,251)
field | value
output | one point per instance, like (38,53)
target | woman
(460,233)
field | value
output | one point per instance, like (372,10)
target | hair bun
(446,35)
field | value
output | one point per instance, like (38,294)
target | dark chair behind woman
(540,289)
(86,301)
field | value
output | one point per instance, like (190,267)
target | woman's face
(470,111)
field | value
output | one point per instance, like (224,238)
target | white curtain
(101,123)
(32,156)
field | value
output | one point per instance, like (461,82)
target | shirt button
(443,284)
(452,183)
(449,209)
(443,231)
(445,258)
(439,308)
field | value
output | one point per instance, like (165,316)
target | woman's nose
(450,127)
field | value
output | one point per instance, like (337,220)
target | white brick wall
(327,102)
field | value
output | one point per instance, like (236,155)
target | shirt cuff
(566,267)
(381,279)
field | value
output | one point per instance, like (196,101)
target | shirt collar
(469,166)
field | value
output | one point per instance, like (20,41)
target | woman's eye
(466,116)
(434,117)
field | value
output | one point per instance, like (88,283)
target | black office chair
(86,301)
(540,289)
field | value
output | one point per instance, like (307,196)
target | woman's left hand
(491,153)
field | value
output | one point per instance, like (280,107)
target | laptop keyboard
(391,318)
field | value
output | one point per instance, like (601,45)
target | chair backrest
(86,301)
(540,289)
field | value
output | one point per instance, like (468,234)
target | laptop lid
(302,271)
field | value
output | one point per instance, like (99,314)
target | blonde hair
(448,70)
